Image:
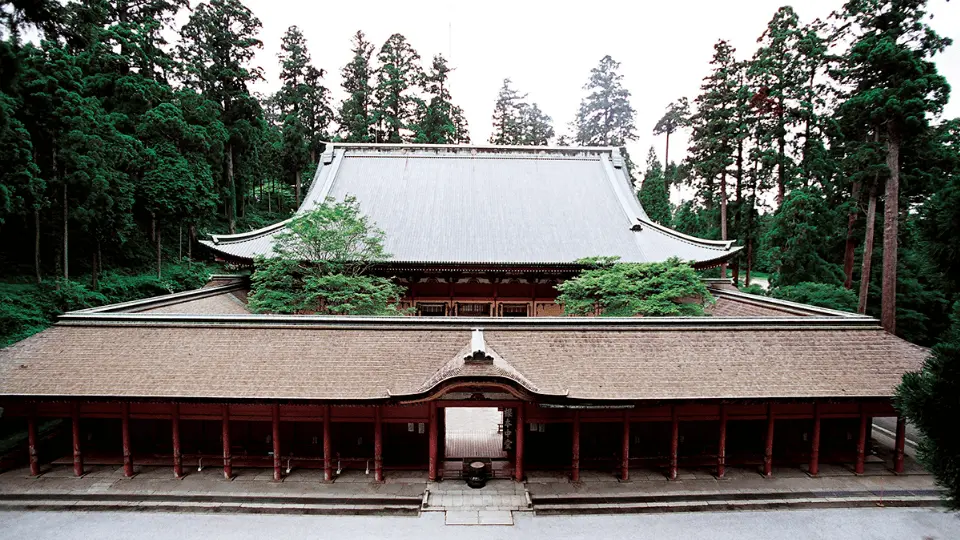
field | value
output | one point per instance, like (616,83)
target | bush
(754,289)
(26,309)
(613,289)
(818,294)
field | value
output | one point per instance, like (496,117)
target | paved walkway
(473,432)
(845,524)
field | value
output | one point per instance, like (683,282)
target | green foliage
(928,398)
(400,75)
(516,122)
(613,289)
(654,195)
(320,265)
(753,288)
(355,117)
(605,117)
(798,238)
(440,121)
(28,309)
(817,294)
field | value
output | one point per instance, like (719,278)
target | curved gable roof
(491,205)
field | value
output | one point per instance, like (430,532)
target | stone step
(638,498)
(225,498)
(210,507)
(721,505)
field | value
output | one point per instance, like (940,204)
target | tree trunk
(891,216)
(232,202)
(851,246)
(191,237)
(297,184)
(66,234)
(36,243)
(94,282)
(723,217)
(781,174)
(739,194)
(868,249)
(746,281)
(180,242)
(666,157)
(153,227)
(158,253)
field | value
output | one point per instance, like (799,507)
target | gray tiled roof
(491,205)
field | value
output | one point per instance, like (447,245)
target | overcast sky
(548,47)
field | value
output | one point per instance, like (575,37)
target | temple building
(480,236)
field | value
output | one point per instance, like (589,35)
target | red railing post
(225,435)
(77,454)
(518,454)
(815,442)
(722,447)
(277,471)
(575,461)
(125,435)
(900,440)
(327,446)
(177,454)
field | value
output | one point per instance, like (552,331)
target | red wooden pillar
(518,454)
(277,471)
(432,443)
(327,446)
(378,443)
(32,443)
(625,449)
(674,441)
(225,435)
(768,451)
(177,455)
(125,435)
(815,442)
(575,462)
(898,446)
(77,455)
(861,443)
(722,447)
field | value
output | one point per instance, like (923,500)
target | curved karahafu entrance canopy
(491,205)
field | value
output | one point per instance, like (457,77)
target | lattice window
(434,309)
(473,309)
(514,310)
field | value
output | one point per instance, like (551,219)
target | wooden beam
(277,470)
(518,451)
(722,447)
(898,446)
(378,443)
(625,448)
(575,461)
(861,443)
(433,446)
(814,469)
(768,450)
(77,454)
(177,454)
(32,443)
(327,446)
(125,436)
(225,435)
(674,442)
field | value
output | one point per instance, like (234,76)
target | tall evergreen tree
(356,115)
(399,79)
(536,126)
(654,195)
(713,136)
(774,74)
(605,117)
(304,105)
(676,117)
(440,121)
(895,88)
(217,48)
(508,116)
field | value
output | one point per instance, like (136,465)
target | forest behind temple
(124,138)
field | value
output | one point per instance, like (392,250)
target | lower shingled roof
(337,359)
